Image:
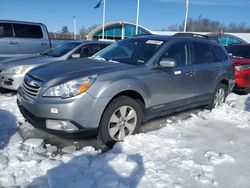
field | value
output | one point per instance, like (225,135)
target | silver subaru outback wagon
(131,81)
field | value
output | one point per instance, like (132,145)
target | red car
(240,54)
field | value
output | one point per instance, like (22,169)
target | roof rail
(191,35)
(207,37)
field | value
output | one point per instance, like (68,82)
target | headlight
(71,88)
(16,70)
(242,67)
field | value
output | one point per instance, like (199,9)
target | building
(117,31)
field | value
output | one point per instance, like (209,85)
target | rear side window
(28,31)
(219,54)
(201,53)
(6,30)
(178,52)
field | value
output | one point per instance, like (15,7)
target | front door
(173,87)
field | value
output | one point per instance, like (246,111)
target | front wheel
(219,96)
(121,118)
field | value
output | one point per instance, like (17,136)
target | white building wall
(244,36)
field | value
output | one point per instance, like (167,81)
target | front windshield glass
(239,51)
(61,49)
(131,51)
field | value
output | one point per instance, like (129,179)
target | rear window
(6,30)
(239,51)
(201,53)
(28,31)
(219,54)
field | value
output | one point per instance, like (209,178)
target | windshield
(239,51)
(132,51)
(61,49)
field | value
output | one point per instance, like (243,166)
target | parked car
(12,70)
(19,38)
(240,54)
(226,39)
(128,82)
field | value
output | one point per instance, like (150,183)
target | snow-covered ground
(209,149)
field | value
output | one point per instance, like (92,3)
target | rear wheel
(121,118)
(219,96)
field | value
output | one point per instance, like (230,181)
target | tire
(121,118)
(219,96)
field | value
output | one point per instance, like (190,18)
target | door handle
(12,43)
(43,43)
(189,73)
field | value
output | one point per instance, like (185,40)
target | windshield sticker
(156,42)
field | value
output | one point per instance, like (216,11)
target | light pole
(137,16)
(186,17)
(103,19)
(74,19)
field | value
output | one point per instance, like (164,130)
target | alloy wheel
(122,123)
(219,97)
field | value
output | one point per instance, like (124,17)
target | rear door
(206,69)
(174,86)
(30,38)
(8,45)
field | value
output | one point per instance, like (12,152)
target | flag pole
(103,18)
(186,17)
(137,16)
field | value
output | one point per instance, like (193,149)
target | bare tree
(201,24)
(65,29)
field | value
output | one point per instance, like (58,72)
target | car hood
(27,60)
(241,61)
(71,69)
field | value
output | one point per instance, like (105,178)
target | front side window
(178,52)
(6,30)
(132,51)
(239,51)
(27,31)
(61,49)
(89,50)
(201,53)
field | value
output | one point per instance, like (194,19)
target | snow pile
(210,149)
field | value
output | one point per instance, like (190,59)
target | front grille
(31,86)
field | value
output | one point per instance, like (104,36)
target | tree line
(202,24)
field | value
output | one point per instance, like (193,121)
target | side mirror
(167,63)
(75,56)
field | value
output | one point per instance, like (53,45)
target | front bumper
(11,81)
(40,123)
(83,111)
